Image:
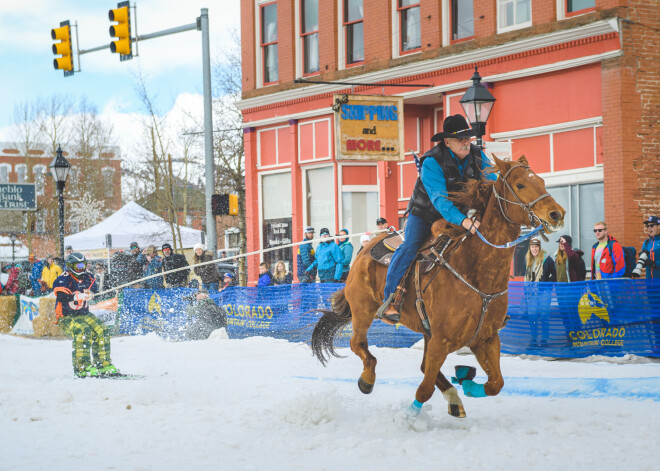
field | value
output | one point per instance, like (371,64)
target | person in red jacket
(607,259)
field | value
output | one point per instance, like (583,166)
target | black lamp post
(477,103)
(12,238)
(60,167)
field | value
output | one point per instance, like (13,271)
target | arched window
(21,172)
(4,173)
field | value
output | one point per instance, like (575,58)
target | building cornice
(604,29)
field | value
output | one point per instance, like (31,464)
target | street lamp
(12,238)
(477,103)
(60,167)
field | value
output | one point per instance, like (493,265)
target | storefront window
(360,209)
(276,204)
(320,188)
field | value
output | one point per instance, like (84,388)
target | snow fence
(606,317)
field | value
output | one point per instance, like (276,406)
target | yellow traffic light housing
(63,48)
(122,31)
(233,205)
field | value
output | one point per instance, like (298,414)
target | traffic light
(63,48)
(224,205)
(122,31)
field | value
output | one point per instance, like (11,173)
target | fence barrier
(607,317)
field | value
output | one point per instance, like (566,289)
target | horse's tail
(328,325)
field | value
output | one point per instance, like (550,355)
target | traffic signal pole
(202,24)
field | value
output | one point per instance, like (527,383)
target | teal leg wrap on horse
(416,407)
(472,389)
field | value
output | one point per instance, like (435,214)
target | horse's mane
(474,195)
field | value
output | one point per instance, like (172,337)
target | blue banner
(608,317)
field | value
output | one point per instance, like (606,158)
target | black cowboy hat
(454,126)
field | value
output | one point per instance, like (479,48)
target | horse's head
(522,196)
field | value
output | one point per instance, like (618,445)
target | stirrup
(380,314)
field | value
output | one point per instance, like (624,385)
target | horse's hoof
(365,387)
(456,410)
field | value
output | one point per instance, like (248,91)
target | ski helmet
(76,264)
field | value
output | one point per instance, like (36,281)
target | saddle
(428,256)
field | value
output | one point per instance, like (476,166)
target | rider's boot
(387,312)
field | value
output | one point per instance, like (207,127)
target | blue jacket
(151,268)
(347,253)
(265,279)
(329,257)
(652,246)
(305,258)
(435,184)
(35,275)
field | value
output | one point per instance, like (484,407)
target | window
(353,31)
(21,172)
(276,205)
(269,43)
(320,198)
(309,35)
(108,181)
(462,19)
(72,181)
(513,14)
(39,178)
(4,173)
(40,221)
(573,6)
(409,25)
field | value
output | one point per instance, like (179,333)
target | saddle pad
(383,250)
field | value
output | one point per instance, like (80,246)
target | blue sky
(171,65)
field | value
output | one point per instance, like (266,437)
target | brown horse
(461,312)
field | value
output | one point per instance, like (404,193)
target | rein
(515,242)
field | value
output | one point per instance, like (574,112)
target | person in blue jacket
(329,259)
(652,247)
(305,258)
(444,169)
(35,275)
(152,264)
(265,278)
(347,252)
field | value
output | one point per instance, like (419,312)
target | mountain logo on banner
(591,305)
(154,304)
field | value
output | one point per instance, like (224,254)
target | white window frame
(396,32)
(17,169)
(257,41)
(104,172)
(313,122)
(305,169)
(43,171)
(8,167)
(261,206)
(561,11)
(513,27)
(355,188)
(277,148)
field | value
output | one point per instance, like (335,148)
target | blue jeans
(417,231)
(210,286)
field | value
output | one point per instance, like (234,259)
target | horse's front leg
(488,356)
(449,392)
(435,354)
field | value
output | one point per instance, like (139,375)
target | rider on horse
(453,162)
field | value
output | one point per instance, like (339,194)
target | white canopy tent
(132,223)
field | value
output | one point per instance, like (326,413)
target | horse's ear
(501,164)
(523,160)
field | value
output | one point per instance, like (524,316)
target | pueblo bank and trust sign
(18,196)
(369,128)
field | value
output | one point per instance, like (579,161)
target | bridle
(527,207)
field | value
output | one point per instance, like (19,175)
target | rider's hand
(468,224)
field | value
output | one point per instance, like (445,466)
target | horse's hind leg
(360,347)
(449,392)
(488,356)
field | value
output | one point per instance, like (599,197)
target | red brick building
(99,176)
(576,82)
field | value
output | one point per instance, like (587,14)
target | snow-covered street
(261,403)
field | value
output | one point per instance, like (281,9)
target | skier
(73,291)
